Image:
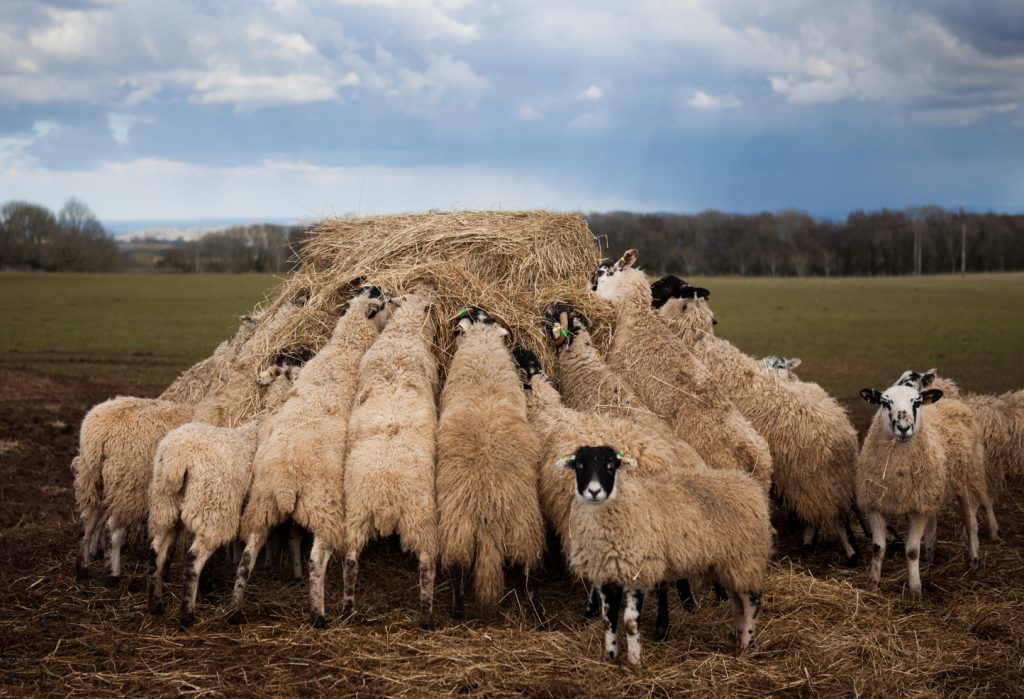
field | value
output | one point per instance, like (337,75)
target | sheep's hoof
(427,623)
(81,571)
(187,619)
(348,608)
(633,660)
(458,615)
(807,549)
(609,655)
(854,560)
(915,594)
(156,606)
(660,633)
(236,617)
(873,586)
(974,563)
(928,556)
(112,581)
(317,620)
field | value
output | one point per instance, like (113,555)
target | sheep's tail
(88,470)
(165,491)
(488,572)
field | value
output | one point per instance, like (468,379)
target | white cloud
(13,147)
(702,100)
(529,113)
(121,124)
(592,93)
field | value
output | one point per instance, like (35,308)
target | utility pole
(963,243)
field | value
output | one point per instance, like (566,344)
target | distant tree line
(924,240)
(32,237)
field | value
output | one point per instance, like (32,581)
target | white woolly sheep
(561,429)
(115,458)
(912,460)
(298,468)
(671,380)
(487,461)
(201,474)
(812,441)
(389,470)
(628,534)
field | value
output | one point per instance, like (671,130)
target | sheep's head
(527,365)
(608,278)
(374,302)
(784,367)
(901,408)
(286,364)
(595,469)
(474,318)
(563,323)
(916,379)
(247,325)
(676,299)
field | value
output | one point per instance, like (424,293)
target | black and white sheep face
(288,365)
(782,365)
(595,469)
(604,279)
(476,317)
(916,379)
(901,408)
(564,323)
(527,365)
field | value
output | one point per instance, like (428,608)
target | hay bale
(513,264)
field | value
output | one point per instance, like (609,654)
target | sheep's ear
(501,330)
(793,363)
(871,395)
(627,259)
(627,463)
(339,310)
(932,395)
(566,462)
(928,377)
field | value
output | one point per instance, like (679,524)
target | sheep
(812,441)
(298,467)
(561,428)
(114,463)
(487,461)
(389,469)
(628,534)
(670,379)
(912,460)
(992,422)
(201,474)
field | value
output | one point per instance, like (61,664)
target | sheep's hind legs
(319,557)
(661,625)
(928,553)
(990,519)
(196,558)
(611,602)
(160,553)
(295,533)
(971,530)
(846,538)
(427,574)
(349,575)
(117,536)
(245,566)
(593,607)
(90,524)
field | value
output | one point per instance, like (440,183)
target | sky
(283,109)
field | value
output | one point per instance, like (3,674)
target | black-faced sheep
(812,441)
(628,534)
(298,468)
(389,470)
(487,461)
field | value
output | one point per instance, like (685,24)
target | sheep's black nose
(594,492)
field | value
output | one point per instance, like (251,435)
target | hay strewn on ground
(513,264)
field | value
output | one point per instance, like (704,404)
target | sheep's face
(285,365)
(476,319)
(527,366)
(375,301)
(784,367)
(901,408)
(916,379)
(595,469)
(608,278)
(563,324)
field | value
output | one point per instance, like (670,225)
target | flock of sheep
(657,464)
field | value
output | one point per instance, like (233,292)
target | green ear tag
(463,313)
(563,332)
(618,454)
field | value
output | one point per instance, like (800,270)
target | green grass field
(849,332)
